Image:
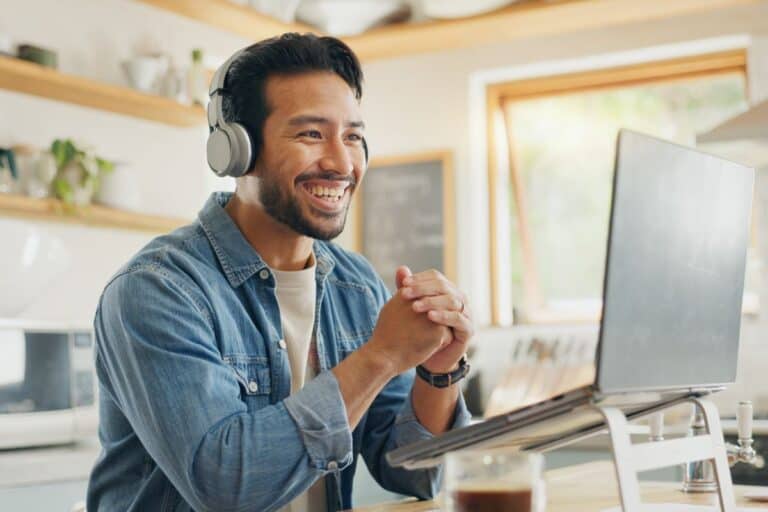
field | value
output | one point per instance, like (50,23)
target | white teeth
(332,194)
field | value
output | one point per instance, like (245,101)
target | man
(244,360)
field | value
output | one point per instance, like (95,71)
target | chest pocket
(252,373)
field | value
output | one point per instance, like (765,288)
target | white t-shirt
(296,301)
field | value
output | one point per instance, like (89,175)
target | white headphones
(229,147)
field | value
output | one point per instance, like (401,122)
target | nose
(337,158)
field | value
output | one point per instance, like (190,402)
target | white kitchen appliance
(47,384)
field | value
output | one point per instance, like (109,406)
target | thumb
(401,273)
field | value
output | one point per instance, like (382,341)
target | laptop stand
(630,459)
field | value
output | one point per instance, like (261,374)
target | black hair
(244,100)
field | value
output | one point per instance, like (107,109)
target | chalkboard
(406,215)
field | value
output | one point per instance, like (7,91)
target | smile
(327,196)
(334,193)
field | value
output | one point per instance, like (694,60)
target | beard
(283,207)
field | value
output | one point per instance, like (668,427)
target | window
(551,167)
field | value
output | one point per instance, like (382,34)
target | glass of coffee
(493,480)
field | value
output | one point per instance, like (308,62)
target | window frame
(659,71)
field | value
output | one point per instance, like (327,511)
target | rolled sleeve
(321,417)
(422,483)
(392,423)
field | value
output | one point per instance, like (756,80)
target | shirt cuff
(411,430)
(321,417)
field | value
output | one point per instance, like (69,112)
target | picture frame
(400,217)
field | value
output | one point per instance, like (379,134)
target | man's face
(312,157)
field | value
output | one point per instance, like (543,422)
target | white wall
(411,104)
(91,38)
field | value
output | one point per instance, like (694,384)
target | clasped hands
(427,321)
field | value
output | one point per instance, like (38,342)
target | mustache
(330,176)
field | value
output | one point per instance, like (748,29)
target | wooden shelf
(230,17)
(53,210)
(521,20)
(29,78)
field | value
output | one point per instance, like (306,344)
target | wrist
(433,368)
(444,379)
(444,366)
(378,360)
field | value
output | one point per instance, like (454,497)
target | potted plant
(78,172)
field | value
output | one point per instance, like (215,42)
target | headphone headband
(215,90)
(217,82)
(229,147)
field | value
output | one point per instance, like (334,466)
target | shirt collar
(237,257)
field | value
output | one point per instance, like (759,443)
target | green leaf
(63,190)
(63,151)
(91,180)
(57,150)
(105,165)
(88,165)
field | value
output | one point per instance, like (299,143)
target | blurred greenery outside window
(560,148)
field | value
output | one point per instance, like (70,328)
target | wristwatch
(443,380)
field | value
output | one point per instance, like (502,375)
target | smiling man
(245,361)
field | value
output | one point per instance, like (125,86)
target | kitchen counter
(590,487)
(34,466)
(587,487)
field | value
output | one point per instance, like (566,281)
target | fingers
(438,302)
(462,326)
(401,273)
(431,290)
(427,275)
(419,285)
(444,303)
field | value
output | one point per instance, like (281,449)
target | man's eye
(356,137)
(311,133)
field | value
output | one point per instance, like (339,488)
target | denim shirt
(194,381)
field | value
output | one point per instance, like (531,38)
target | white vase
(119,189)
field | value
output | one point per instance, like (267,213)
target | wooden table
(590,487)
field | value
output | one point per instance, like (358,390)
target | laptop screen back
(675,267)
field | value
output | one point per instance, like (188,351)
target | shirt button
(264,274)
(282,344)
(333,465)
(253,386)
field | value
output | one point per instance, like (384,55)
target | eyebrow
(310,119)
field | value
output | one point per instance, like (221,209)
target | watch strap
(444,380)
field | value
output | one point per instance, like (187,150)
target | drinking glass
(493,480)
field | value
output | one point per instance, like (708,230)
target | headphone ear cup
(242,149)
(229,149)
(219,151)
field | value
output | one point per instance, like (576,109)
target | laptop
(672,297)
